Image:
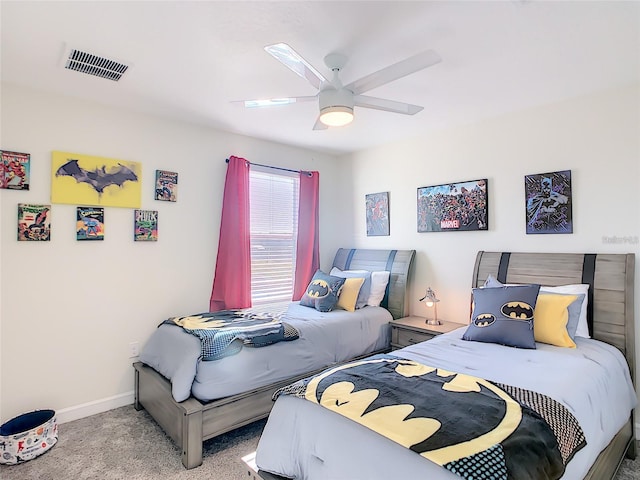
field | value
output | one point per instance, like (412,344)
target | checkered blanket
(224,333)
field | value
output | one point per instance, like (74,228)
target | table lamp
(431,301)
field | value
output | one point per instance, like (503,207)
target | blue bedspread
(225,333)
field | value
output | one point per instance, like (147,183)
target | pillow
(550,319)
(349,293)
(574,313)
(322,292)
(379,282)
(582,290)
(363,296)
(493,282)
(503,315)
(577,325)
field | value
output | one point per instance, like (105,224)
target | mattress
(325,338)
(305,441)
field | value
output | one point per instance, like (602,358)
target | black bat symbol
(99,178)
(517,310)
(484,320)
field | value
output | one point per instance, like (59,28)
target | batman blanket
(470,426)
(224,333)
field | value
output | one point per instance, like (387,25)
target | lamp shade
(336,116)
(430,297)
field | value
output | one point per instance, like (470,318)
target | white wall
(597,137)
(70,309)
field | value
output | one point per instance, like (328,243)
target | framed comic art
(461,206)
(548,202)
(166,186)
(377,208)
(145,225)
(89,223)
(34,222)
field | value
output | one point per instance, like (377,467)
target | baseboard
(77,412)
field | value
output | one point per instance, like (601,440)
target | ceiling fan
(337,101)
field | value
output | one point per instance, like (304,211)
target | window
(274,230)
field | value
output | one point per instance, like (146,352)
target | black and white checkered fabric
(487,465)
(564,425)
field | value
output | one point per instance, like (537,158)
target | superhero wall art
(88,180)
(548,202)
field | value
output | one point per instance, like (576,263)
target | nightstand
(409,330)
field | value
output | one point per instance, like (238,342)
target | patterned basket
(27,436)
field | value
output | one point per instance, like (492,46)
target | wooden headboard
(398,262)
(611,279)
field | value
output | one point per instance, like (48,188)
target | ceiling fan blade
(291,59)
(386,105)
(319,125)
(274,102)
(394,72)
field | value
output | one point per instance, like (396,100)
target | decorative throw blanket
(473,427)
(224,333)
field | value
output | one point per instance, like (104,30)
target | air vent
(94,65)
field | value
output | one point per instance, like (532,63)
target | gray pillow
(574,313)
(503,315)
(322,292)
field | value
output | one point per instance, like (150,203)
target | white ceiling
(190,60)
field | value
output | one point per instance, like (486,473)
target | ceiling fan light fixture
(336,116)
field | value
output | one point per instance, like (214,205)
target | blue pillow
(322,292)
(503,315)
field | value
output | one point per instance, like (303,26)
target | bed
(303,440)
(193,400)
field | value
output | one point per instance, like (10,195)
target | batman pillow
(322,292)
(503,315)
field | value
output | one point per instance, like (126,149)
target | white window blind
(274,230)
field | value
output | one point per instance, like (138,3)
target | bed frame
(191,422)
(610,318)
(610,314)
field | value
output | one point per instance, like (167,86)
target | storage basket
(27,436)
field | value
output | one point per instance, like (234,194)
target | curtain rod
(275,168)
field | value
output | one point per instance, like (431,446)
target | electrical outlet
(134,349)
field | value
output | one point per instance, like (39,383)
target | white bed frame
(191,422)
(610,317)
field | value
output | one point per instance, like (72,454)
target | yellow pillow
(349,293)
(550,320)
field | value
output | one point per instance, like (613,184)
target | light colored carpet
(126,444)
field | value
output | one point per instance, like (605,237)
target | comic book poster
(145,224)
(377,208)
(15,170)
(548,202)
(90,223)
(3,182)
(34,222)
(460,206)
(166,186)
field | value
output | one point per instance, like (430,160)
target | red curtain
(232,279)
(308,245)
